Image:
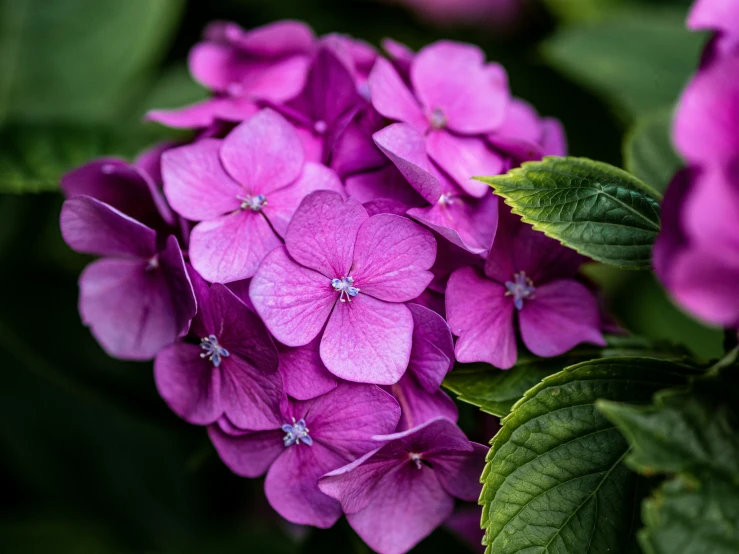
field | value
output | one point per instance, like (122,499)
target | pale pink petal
(368,341)
(231,247)
(303,372)
(292,485)
(293,301)
(406,148)
(390,96)
(195,183)
(322,232)
(282,203)
(248,454)
(453,78)
(392,257)
(481,315)
(189,384)
(92,227)
(264,153)
(562,315)
(463,158)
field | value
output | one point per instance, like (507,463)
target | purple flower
(721,16)
(397,494)
(528,277)
(269,63)
(347,271)
(138,297)
(303,373)
(231,371)
(467,222)
(456,99)
(243,190)
(419,390)
(312,438)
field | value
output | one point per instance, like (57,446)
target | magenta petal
(190,385)
(715,15)
(368,341)
(231,247)
(215,66)
(264,153)
(392,257)
(459,472)
(453,78)
(272,40)
(432,354)
(390,96)
(400,54)
(293,301)
(206,113)
(406,148)
(303,372)
(292,485)
(195,182)
(481,316)
(93,227)
(463,158)
(248,454)
(331,92)
(322,232)
(465,222)
(354,151)
(282,203)
(437,436)
(553,139)
(672,238)
(563,314)
(250,396)
(386,183)
(419,405)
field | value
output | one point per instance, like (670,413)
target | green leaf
(639,60)
(495,391)
(648,151)
(555,479)
(599,210)
(581,10)
(173,89)
(78,59)
(34,157)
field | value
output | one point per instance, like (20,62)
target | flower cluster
(289,268)
(697,254)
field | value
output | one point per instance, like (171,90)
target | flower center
(446,199)
(437,119)
(253,203)
(416,459)
(153,263)
(295,433)
(345,286)
(213,351)
(320,127)
(521,288)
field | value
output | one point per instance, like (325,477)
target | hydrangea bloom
(395,495)
(528,277)
(312,438)
(697,253)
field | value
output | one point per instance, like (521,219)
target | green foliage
(555,479)
(599,210)
(648,151)
(693,433)
(496,391)
(78,59)
(639,61)
(34,157)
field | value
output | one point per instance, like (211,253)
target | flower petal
(453,77)
(385,183)
(392,257)
(420,405)
(303,372)
(563,314)
(459,472)
(264,153)
(231,247)
(330,91)
(250,396)
(481,316)
(390,96)
(189,384)
(432,354)
(463,158)
(282,203)
(206,113)
(406,148)
(293,301)
(322,232)
(368,341)
(248,454)
(92,227)
(195,182)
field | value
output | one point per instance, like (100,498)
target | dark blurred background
(91,460)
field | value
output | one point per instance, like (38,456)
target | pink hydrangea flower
(312,438)
(303,373)
(527,277)
(456,99)
(231,372)
(243,190)
(395,495)
(347,271)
